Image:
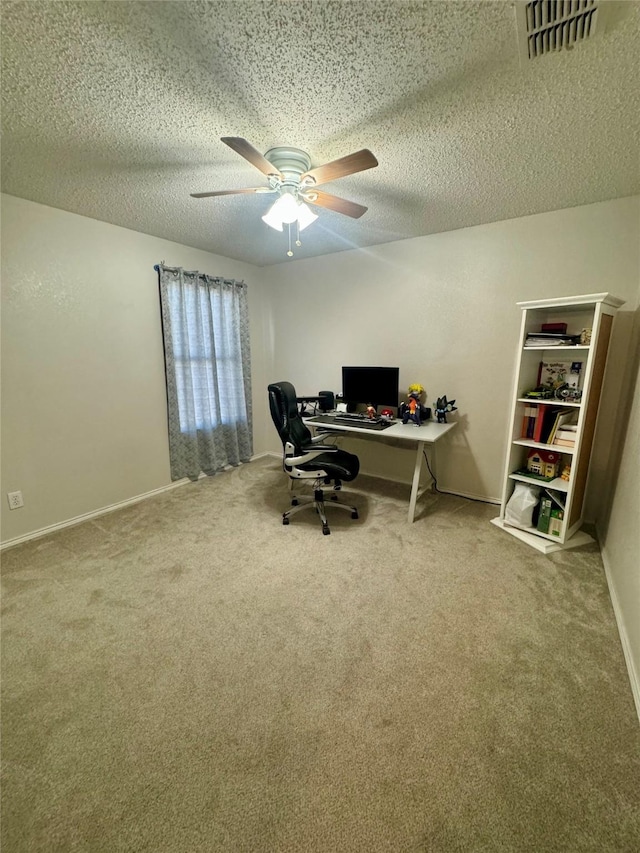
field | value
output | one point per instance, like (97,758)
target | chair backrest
(284,411)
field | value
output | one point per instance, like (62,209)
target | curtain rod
(201,274)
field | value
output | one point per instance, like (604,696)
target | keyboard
(359,421)
(345,417)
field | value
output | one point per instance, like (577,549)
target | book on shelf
(544,514)
(539,423)
(555,521)
(551,513)
(528,421)
(553,374)
(535,416)
(549,419)
(562,418)
(566,435)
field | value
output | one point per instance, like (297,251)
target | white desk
(429,433)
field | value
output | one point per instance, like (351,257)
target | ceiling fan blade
(246,150)
(333,202)
(232,192)
(357,162)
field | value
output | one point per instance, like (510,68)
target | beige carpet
(188,674)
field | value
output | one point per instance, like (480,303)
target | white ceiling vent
(545,26)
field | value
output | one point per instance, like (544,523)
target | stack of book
(551,339)
(565,435)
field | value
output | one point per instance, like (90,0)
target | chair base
(317,502)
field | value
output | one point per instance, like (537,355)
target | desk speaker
(327,401)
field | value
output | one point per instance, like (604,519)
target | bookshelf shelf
(555,448)
(556,485)
(557,403)
(529,417)
(557,347)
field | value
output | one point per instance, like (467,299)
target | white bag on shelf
(519,509)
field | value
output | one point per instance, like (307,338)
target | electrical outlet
(15,500)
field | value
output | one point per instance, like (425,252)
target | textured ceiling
(115,110)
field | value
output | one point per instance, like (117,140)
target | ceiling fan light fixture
(286,208)
(305,216)
(271,218)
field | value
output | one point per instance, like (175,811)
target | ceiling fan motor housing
(291,162)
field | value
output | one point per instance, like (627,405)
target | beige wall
(443,308)
(83,395)
(618,530)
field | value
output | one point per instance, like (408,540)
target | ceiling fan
(290,176)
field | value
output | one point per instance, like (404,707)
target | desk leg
(433,463)
(415,486)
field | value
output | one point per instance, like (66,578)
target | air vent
(545,26)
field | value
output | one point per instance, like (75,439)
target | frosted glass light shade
(287,210)
(305,216)
(271,218)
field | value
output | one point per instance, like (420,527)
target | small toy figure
(371,412)
(566,473)
(442,406)
(413,410)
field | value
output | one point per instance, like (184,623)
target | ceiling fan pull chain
(290,253)
(298,243)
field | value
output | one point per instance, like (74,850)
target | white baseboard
(78,519)
(482,498)
(634,676)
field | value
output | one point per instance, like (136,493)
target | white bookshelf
(594,311)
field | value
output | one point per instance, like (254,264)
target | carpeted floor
(188,674)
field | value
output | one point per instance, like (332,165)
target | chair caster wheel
(334,497)
(285,520)
(355,515)
(294,502)
(325,529)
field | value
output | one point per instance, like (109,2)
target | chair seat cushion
(342,465)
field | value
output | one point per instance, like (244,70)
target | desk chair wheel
(354,514)
(285,520)
(294,502)
(325,530)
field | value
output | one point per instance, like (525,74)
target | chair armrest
(322,433)
(310,454)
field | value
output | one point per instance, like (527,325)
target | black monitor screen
(375,385)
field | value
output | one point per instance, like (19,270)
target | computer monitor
(375,385)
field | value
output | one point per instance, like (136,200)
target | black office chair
(305,458)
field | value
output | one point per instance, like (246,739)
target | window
(207,360)
(208,357)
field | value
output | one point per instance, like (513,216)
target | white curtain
(205,323)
